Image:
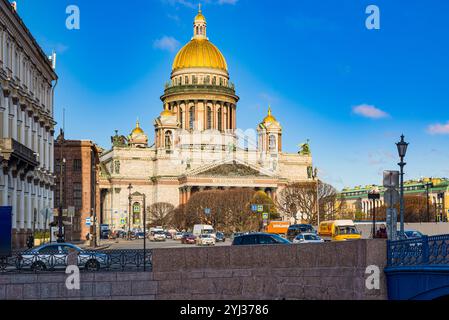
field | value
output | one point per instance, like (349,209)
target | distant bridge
(418,269)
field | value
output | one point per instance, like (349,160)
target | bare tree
(301,198)
(230,210)
(160,214)
(415,210)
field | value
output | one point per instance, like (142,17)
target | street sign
(265,215)
(88,221)
(392,218)
(254,207)
(259,208)
(391,179)
(207,211)
(391,197)
(5,231)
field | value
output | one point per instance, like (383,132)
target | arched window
(191,117)
(220,127)
(186,80)
(214,80)
(272,143)
(168,140)
(209,118)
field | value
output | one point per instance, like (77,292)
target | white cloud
(220,2)
(438,128)
(369,111)
(166,43)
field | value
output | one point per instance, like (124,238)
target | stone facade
(355,200)
(330,271)
(80,184)
(27,82)
(196,144)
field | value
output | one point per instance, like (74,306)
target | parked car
(157,236)
(237,234)
(168,235)
(296,229)
(140,235)
(188,238)
(412,234)
(259,238)
(308,238)
(178,236)
(205,240)
(54,256)
(220,236)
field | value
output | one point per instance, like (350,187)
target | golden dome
(200,53)
(167,113)
(269,117)
(199,16)
(137,129)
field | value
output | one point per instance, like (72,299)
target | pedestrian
(30,241)
(88,236)
(382,232)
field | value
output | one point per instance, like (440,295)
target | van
(338,230)
(278,227)
(200,229)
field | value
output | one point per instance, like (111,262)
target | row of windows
(206,80)
(208,120)
(21,67)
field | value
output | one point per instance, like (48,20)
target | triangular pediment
(230,169)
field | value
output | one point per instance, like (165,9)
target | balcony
(12,150)
(209,88)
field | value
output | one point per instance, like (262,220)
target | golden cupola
(138,138)
(270,119)
(137,130)
(200,52)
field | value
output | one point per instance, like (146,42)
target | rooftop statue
(305,149)
(119,141)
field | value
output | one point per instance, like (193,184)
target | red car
(188,238)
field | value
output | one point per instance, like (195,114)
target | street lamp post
(61,165)
(315,177)
(402,150)
(144,234)
(129,211)
(428,185)
(374,195)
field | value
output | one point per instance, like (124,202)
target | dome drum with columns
(196,144)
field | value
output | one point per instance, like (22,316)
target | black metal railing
(424,251)
(90,261)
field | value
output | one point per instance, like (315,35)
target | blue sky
(350,90)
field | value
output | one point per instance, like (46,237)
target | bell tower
(269,134)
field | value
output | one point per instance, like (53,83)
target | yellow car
(338,230)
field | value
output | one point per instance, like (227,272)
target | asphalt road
(138,244)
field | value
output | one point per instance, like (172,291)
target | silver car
(56,255)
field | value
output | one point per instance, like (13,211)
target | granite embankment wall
(308,271)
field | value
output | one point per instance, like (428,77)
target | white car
(157,236)
(178,235)
(205,240)
(307,238)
